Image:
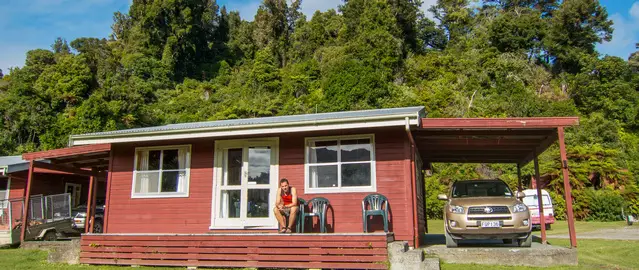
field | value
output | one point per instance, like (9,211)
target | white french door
(245,182)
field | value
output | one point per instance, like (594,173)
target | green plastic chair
(377,206)
(317,208)
(299,223)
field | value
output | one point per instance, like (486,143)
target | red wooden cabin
(202,194)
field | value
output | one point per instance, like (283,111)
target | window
(340,164)
(161,172)
(4,193)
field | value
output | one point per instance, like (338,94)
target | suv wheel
(450,242)
(527,242)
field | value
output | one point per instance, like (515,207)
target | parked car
(79,218)
(531,200)
(485,209)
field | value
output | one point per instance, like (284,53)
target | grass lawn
(592,253)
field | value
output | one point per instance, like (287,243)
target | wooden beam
(62,168)
(67,152)
(104,155)
(87,217)
(541,148)
(480,142)
(567,188)
(428,147)
(25,207)
(472,160)
(104,163)
(482,132)
(499,123)
(105,219)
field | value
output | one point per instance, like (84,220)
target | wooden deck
(338,250)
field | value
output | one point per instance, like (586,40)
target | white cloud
(625,35)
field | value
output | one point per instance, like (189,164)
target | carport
(497,140)
(91,161)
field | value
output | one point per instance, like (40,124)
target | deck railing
(270,250)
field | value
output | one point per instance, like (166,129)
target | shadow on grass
(440,239)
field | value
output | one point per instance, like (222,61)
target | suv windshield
(478,188)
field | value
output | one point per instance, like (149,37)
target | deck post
(25,207)
(87,218)
(567,188)
(105,223)
(93,202)
(540,204)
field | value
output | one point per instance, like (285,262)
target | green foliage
(603,205)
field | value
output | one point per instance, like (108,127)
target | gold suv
(485,209)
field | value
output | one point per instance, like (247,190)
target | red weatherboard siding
(161,215)
(193,214)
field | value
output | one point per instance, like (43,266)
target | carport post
(540,204)
(25,207)
(87,218)
(519,177)
(567,188)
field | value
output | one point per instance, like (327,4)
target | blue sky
(32,24)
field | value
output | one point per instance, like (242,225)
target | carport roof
(487,140)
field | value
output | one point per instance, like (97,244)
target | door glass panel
(234,167)
(230,204)
(258,203)
(259,165)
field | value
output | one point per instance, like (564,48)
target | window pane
(356,175)
(356,150)
(230,204)
(146,182)
(171,181)
(323,176)
(170,160)
(258,203)
(234,167)
(154,160)
(323,152)
(259,165)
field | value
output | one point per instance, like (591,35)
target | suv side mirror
(521,195)
(442,197)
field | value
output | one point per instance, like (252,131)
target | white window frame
(6,195)
(218,177)
(185,186)
(307,177)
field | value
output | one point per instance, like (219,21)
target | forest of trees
(192,60)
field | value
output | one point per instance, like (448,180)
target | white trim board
(373,122)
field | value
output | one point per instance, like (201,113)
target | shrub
(434,207)
(559,205)
(604,205)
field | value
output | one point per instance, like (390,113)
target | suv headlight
(456,209)
(520,207)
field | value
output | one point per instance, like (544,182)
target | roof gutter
(375,121)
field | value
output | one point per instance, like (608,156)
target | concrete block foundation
(538,255)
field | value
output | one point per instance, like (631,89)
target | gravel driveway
(624,233)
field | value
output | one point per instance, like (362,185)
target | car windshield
(481,189)
(531,200)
